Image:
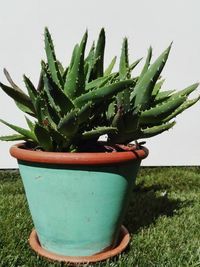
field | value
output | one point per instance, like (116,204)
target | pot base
(111,252)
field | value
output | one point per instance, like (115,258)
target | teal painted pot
(77,200)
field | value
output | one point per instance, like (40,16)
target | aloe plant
(146,110)
(73,106)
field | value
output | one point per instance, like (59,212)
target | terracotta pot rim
(78,158)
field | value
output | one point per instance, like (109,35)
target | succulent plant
(72,107)
(145,110)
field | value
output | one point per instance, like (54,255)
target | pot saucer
(124,239)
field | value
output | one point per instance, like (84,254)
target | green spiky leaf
(9,79)
(14,137)
(109,69)
(33,93)
(134,64)
(25,109)
(75,81)
(187,91)
(157,88)
(43,137)
(147,62)
(56,96)
(51,59)
(100,94)
(74,55)
(61,68)
(144,87)
(123,98)
(18,97)
(95,133)
(124,62)
(163,96)
(89,64)
(158,113)
(26,133)
(98,68)
(68,125)
(99,82)
(187,104)
(155,130)
(40,85)
(31,125)
(43,115)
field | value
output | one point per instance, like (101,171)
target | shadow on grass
(147,205)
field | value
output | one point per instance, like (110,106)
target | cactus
(73,106)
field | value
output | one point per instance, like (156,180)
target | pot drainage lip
(111,252)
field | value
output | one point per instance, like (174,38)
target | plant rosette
(78,187)
(78,201)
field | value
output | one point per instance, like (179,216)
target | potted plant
(78,186)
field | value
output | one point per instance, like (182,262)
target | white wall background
(145,23)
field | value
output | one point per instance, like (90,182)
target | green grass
(163,219)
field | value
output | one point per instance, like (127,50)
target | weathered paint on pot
(77,210)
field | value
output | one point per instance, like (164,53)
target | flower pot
(77,201)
